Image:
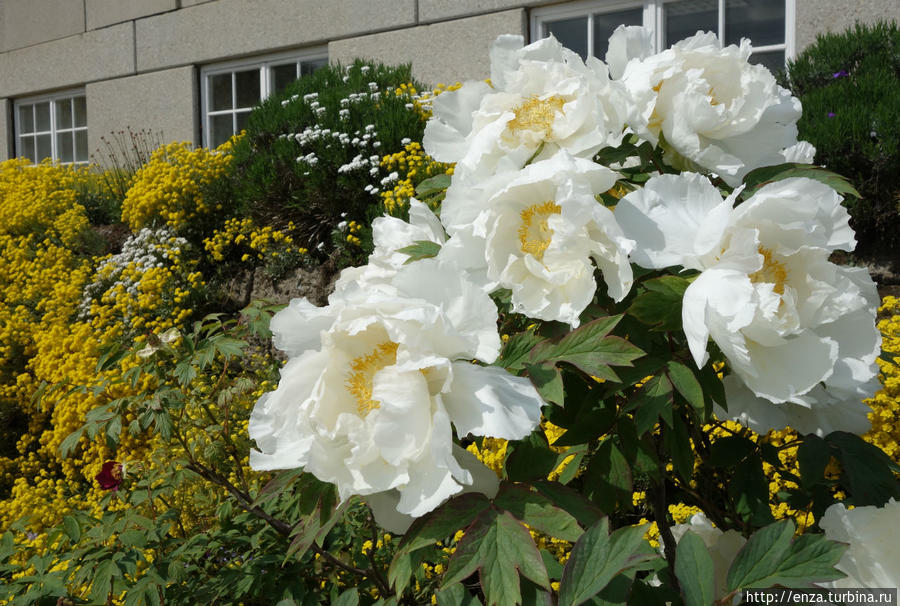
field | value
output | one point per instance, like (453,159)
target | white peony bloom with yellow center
(374,381)
(798,331)
(539,232)
(873,558)
(539,95)
(713,108)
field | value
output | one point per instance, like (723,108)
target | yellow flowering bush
(169,189)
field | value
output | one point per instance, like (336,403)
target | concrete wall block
(6,130)
(822,16)
(27,22)
(101,13)
(72,61)
(231,28)
(163,102)
(444,52)
(437,10)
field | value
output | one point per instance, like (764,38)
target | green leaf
(420,249)
(133,538)
(433,185)
(867,471)
(760,557)
(695,570)
(771,558)
(70,441)
(500,548)
(686,383)
(598,557)
(530,458)
(455,514)
(678,443)
(812,458)
(659,305)
(749,488)
(548,382)
(348,598)
(590,349)
(72,528)
(608,479)
(103,575)
(570,500)
(761,177)
(516,350)
(537,511)
(456,595)
(652,400)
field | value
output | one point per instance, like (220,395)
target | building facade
(72,71)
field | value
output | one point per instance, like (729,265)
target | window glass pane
(220,92)
(26,147)
(42,116)
(26,118)
(247,85)
(572,33)
(242,118)
(606,23)
(44,149)
(760,20)
(686,17)
(282,75)
(80,104)
(774,60)
(81,146)
(308,67)
(64,113)
(221,128)
(65,147)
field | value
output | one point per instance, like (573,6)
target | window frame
(264,65)
(654,18)
(55,130)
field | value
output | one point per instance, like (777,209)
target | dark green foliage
(849,84)
(282,174)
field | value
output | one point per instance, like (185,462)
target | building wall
(822,16)
(138,59)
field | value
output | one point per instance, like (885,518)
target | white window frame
(653,18)
(52,99)
(264,65)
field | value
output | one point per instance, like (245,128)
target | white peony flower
(873,558)
(536,232)
(714,109)
(374,381)
(798,330)
(540,94)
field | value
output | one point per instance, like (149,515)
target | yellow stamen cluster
(537,114)
(772,271)
(534,234)
(362,373)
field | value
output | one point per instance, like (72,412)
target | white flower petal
(488,401)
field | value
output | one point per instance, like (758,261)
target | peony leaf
(659,305)
(608,478)
(760,177)
(686,383)
(570,500)
(516,350)
(866,469)
(420,249)
(771,558)
(456,595)
(537,511)
(453,515)
(652,400)
(695,571)
(590,349)
(499,547)
(433,185)
(598,557)
(547,379)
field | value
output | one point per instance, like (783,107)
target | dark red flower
(110,477)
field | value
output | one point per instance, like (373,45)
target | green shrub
(311,155)
(849,84)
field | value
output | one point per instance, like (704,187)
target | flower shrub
(554,369)
(849,84)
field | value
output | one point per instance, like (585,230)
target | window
(586,26)
(230,91)
(53,127)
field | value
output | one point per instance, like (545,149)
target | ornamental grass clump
(849,84)
(312,154)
